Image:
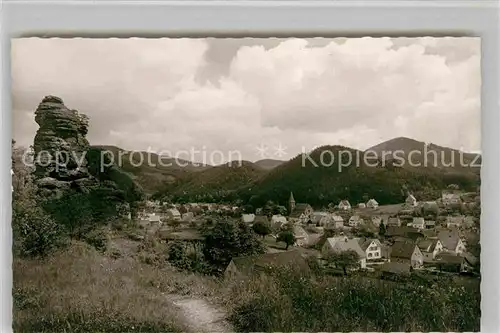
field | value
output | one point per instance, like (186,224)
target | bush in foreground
(289,302)
(81,290)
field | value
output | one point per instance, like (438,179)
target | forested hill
(319,184)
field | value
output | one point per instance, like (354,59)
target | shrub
(35,233)
(291,302)
(98,238)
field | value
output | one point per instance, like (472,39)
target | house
(301,236)
(454,221)
(344,205)
(403,232)
(411,201)
(372,203)
(407,252)
(301,213)
(260,219)
(450,199)
(242,267)
(320,218)
(173,214)
(395,269)
(153,218)
(451,241)
(430,224)
(453,263)
(355,221)
(277,221)
(393,222)
(372,248)
(336,222)
(361,205)
(417,223)
(430,248)
(376,220)
(187,217)
(248,218)
(342,244)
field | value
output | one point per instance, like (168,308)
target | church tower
(291,203)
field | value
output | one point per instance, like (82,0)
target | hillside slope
(413,154)
(215,183)
(321,184)
(155,172)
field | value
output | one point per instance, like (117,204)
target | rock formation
(60,147)
(65,163)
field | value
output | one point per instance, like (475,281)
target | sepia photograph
(246,184)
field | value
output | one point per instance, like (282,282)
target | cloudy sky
(175,95)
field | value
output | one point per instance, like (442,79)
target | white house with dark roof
(454,221)
(344,205)
(355,221)
(451,241)
(173,214)
(417,223)
(430,248)
(371,247)
(450,199)
(411,201)
(336,222)
(372,203)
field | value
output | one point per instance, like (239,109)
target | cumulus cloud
(179,94)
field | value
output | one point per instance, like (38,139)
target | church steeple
(291,203)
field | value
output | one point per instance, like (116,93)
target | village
(438,237)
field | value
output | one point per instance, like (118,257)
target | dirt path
(201,316)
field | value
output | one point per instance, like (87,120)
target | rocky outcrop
(66,163)
(60,144)
(60,148)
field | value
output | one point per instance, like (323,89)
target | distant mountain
(215,182)
(318,184)
(153,172)
(268,164)
(412,154)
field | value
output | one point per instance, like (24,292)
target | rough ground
(201,316)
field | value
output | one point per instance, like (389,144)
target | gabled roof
(403,250)
(337,218)
(449,239)
(300,209)
(262,262)
(278,218)
(344,203)
(402,231)
(174,211)
(261,219)
(364,243)
(299,232)
(341,244)
(395,267)
(372,202)
(356,218)
(427,245)
(450,258)
(410,198)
